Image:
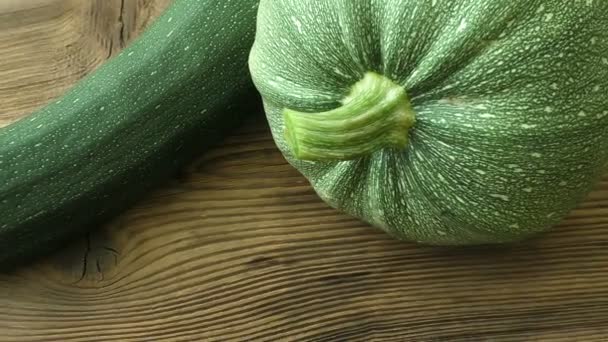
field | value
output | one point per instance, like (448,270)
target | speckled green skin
(510,99)
(126,127)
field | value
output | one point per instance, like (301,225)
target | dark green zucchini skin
(125,128)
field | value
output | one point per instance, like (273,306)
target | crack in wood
(121,36)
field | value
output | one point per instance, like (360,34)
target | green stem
(376,114)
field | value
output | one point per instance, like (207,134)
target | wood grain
(239,247)
(47,45)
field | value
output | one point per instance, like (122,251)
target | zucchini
(444,122)
(126,127)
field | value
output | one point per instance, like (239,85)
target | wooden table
(240,247)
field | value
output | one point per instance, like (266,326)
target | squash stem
(376,114)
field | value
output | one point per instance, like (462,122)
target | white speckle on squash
(528,126)
(339,72)
(514,226)
(527,190)
(441,178)
(540,9)
(549,16)
(500,197)
(170,33)
(463,25)
(297,23)
(549,109)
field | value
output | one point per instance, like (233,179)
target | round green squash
(446,122)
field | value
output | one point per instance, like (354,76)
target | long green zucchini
(126,127)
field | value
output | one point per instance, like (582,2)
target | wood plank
(239,247)
(47,45)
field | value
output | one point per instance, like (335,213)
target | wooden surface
(240,248)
